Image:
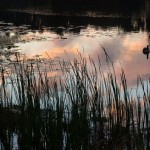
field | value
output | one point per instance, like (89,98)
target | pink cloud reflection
(125,51)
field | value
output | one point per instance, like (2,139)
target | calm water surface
(123,37)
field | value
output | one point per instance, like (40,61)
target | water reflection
(41,33)
(123,48)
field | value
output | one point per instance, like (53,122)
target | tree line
(65,3)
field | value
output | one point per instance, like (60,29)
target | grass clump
(83,109)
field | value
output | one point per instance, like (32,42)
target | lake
(53,98)
(123,33)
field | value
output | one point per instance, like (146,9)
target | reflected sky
(123,35)
(125,50)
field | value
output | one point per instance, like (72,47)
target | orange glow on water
(125,51)
(60,52)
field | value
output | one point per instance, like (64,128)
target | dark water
(123,28)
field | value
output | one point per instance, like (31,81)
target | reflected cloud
(125,51)
(61,53)
(135,41)
(62,35)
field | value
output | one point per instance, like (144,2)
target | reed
(82,109)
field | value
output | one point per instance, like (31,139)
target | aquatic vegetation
(80,109)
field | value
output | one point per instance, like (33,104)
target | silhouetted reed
(81,109)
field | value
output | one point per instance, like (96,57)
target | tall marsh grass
(82,109)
